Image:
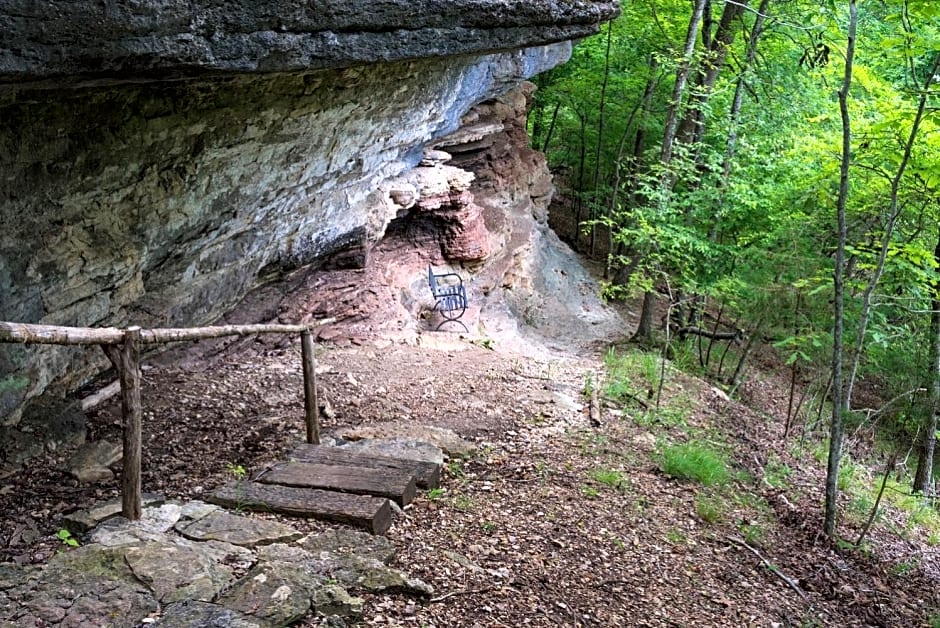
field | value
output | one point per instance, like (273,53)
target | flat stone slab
(277,592)
(151,572)
(367,574)
(343,541)
(394,484)
(176,572)
(237,530)
(400,448)
(427,473)
(446,440)
(84,520)
(364,511)
(85,586)
(196,614)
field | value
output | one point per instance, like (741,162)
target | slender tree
(838,285)
(894,212)
(923,476)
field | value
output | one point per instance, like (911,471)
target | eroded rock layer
(161,204)
(83,40)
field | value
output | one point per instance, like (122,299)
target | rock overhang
(59,43)
(159,156)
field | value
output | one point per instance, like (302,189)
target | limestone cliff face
(160,159)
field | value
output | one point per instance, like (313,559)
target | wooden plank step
(363,511)
(392,483)
(427,474)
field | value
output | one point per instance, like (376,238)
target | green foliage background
(750,230)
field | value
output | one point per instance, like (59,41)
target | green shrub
(692,461)
(708,508)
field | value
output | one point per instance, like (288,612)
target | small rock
(283,552)
(335,600)
(175,573)
(91,461)
(720,394)
(346,541)
(159,518)
(196,510)
(433,157)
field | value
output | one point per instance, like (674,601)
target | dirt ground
(554,522)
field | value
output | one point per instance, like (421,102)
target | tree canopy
(774,168)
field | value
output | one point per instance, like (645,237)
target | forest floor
(555,521)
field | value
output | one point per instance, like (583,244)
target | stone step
(394,484)
(427,474)
(374,514)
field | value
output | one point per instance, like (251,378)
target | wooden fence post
(131,408)
(311,405)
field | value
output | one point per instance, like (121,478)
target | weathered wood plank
(131,410)
(311,405)
(57,335)
(374,514)
(427,474)
(392,483)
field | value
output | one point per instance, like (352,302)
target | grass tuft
(708,508)
(692,461)
(609,477)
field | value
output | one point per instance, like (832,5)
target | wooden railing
(122,346)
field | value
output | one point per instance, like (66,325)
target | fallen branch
(714,335)
(639,400)
(456,593)
(889,468)
(790,582)
(96,399)
(595,409)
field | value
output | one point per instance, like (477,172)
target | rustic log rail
(122,346)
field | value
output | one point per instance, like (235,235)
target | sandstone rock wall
(161,204)
(160,159)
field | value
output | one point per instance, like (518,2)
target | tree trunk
(644,332)
(838,282)
(682,77)
(595,193)
(601,111)
(578,197)
(738,375)
(692,126)
(731,142)
(551,128)
(923,478)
